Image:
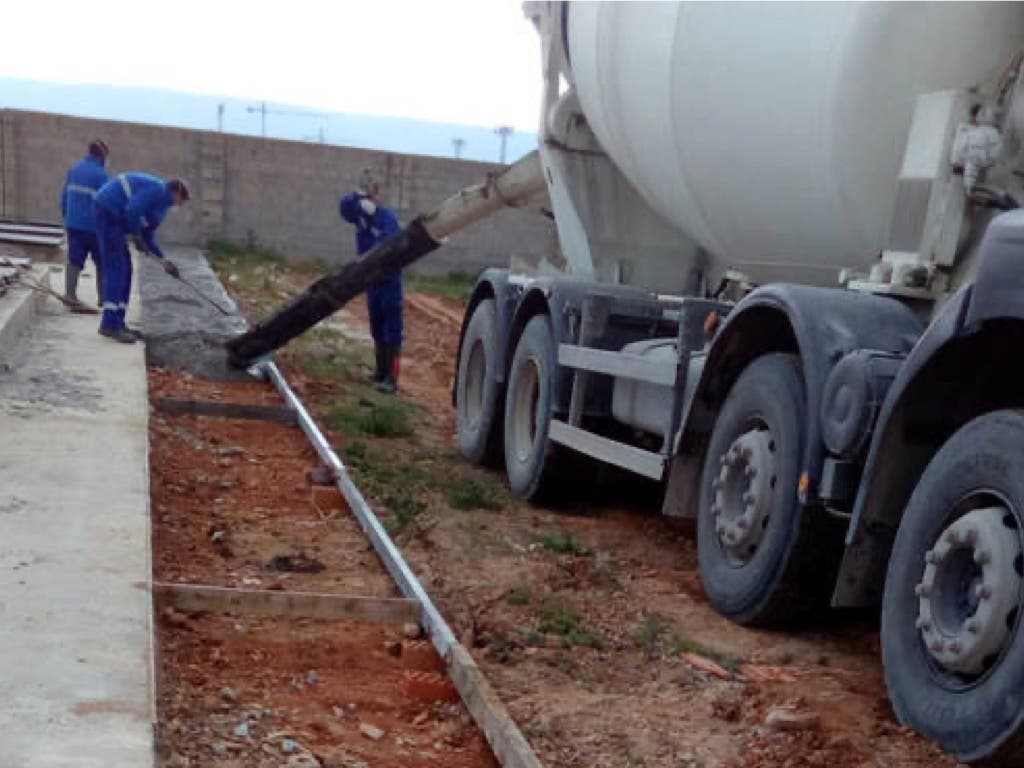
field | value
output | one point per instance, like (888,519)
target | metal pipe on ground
(506,740)
(513,187)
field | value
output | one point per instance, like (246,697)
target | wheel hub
(743,490)
(970,590)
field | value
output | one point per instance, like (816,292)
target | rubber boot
(71,273)
(122,335)
(378,374)
(393,357)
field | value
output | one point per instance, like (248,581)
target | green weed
(455,285)
(518,595)
(562,542)
(472,493)
(560,619)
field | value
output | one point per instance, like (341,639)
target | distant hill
(188,110)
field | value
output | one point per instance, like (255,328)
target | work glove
(368,206)
(171,268)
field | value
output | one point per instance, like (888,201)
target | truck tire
(760,553)
(529,454)
(952,641)
(476,390)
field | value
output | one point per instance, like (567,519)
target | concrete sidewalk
(76,655)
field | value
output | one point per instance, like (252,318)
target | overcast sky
(460,61)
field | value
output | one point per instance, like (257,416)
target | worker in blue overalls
(76,199)
(375,222)
(130,205)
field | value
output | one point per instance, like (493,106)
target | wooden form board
(195,598)
(278,413)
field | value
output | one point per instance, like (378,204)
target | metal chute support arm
(512,187)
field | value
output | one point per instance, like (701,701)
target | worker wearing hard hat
(130,205)
(375,222)
(76,200)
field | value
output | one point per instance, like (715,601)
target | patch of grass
(405,509)
(560,619)
(562,542)
(532,637)
(651,632)
(248,253)
(675,644)
(472,493)
(383,418)
(518,595)
(454,285)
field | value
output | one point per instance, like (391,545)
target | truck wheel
(754,540)
(952,642)
(528,452)
(476,391)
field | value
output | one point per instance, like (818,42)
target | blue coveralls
(129,204)
(384,299)
(76,201)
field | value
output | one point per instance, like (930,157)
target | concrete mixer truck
(790,288)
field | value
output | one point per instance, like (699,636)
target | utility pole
(220,117)
(264,111)
(457,144)
(503,131)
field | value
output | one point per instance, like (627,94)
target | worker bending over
(374,223)
(76,202)
(130,205)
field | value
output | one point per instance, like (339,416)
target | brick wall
(283,192)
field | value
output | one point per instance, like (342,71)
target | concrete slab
(76,652)
(17,308)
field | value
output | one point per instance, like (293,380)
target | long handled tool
(40,287)
(192,286)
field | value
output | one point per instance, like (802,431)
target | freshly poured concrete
(76,671)
(183,331)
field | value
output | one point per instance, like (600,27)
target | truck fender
(940,386)
(494,284)
(819,325)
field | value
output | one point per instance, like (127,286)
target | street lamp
(457,144)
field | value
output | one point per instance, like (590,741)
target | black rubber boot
(393,357)
(378,374)
(123,335)
(71,273)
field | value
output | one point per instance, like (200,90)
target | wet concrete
(184,332)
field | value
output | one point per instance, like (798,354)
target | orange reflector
(805,483)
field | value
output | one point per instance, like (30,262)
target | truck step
(646,463)
(618,364)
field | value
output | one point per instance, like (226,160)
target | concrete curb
(17,310)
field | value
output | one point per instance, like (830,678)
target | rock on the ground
(411,630)
(785,719)
(289,746)
(242,730)
(371,731)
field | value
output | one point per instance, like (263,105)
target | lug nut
(923,624)
(743,523)
(935,646)
(751,471)
(932,557)
(954,646)
(982,556)
(973,626)
(746,453)
(983,592)
(923,590)
(971,536)
(953,536)
(716,483)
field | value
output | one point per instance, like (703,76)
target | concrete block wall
(284,193)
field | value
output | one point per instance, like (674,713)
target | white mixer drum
(772,133)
